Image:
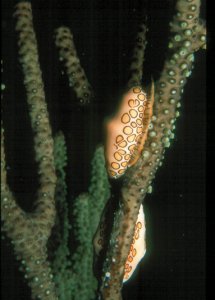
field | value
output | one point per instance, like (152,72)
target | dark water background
(104,33)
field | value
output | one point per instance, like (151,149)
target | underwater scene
(103,149)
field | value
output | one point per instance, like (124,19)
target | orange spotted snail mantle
(127,131)
(126,134)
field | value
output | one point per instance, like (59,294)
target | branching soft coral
(68,272)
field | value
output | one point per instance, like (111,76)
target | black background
(104,33)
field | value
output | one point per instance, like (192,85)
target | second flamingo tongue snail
(138,246)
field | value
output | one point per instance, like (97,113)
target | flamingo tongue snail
(126,132)
(138,246)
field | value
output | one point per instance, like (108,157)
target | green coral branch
(99,188)
(87,209)
(82,259)
(73,270)
(60,263)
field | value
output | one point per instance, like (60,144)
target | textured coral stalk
(76,75)
(136,67)
(43,142)
(188,35)
(29,232)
